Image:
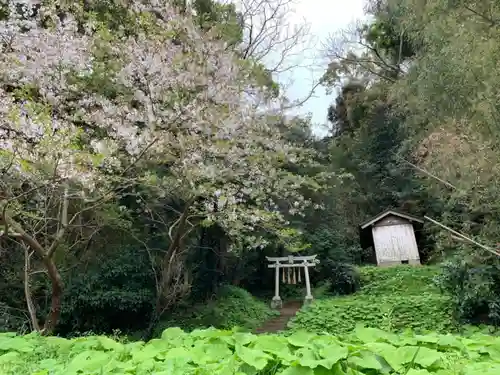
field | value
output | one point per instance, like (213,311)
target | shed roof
(365,232)
(388,212)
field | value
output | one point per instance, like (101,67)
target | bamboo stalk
(463,236)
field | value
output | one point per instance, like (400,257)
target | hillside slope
(234,307)
(393,299)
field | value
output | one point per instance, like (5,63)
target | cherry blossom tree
(85,113)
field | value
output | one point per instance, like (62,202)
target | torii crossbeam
(291,262)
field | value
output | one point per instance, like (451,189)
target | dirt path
(278,323)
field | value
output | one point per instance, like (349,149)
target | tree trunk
(54,313)
(27,291)
(55,278)
(167,274)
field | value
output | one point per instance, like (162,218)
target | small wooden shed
(392,234)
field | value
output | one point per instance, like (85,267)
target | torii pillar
(289,262)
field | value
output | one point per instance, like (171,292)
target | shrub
(344,279)
(474,287)
(115,292)
(233,307)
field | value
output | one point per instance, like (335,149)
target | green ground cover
(367,352)
(392,299)
(396,299)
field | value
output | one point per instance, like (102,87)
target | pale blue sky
(325,17)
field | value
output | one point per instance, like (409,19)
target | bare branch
(63,224)
(300,102)
(270,35)
(350,51)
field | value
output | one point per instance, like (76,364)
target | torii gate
(291,262)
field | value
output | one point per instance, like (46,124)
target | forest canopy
(416,113)
(148,156)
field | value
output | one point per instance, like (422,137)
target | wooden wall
(394,240)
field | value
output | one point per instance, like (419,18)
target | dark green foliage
(233,307)
(474,285)
(421,92)
(369,143)
(344,278)
(332,245)
(389,38)
(114,293)
(207,263)
(13,319)
(12,305)
(223,17)
(110,270)
(340,114)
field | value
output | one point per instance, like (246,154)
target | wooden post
(309,296)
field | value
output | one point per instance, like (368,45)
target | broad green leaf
(367,334)
(307,357)
(182,353)
(110,344)
(381,348)
(146,366)
(90,360)
(244,338)
(482,368)
(252,357)
(300,338)
(271,344)
(147,352)
(428,357)
(49,363)
(335,369)
(423,356)
(418,372)
(18,343)
(7,335)
(172,333)
(217,351)
(450,341)
(332,354)
(297,370)
(365,360)
(9,357)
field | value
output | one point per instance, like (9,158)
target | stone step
(279,323)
